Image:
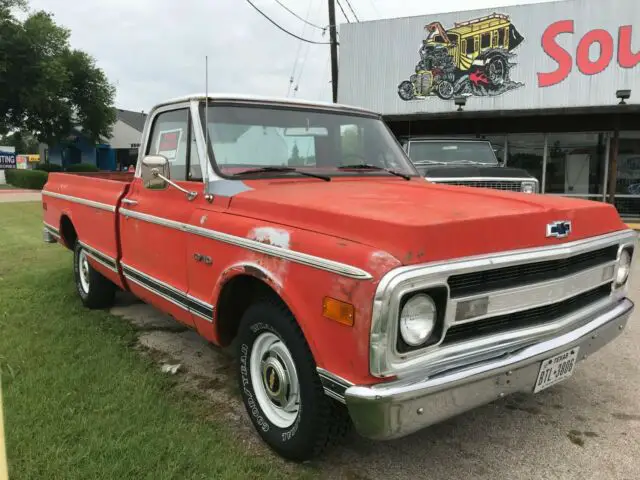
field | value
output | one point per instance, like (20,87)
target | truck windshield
(256,138)
(452,153)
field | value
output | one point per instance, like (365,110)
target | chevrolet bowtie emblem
(559,229)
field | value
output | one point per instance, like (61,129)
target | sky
(152,50)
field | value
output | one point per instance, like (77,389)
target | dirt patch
(204,369)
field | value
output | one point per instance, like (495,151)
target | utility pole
(334,49)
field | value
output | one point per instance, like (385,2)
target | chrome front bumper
(400,407)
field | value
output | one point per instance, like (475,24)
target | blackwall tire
(95,291)
(297,433)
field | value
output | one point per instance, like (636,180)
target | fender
(290,296)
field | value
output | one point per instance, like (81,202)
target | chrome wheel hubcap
(84,271)
(275,380)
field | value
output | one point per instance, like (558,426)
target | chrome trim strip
(253,245)
(481,179)
(52,228)
(100,257)
(504,302)
(334,385)
(182,300)
(386,361)
(81,201)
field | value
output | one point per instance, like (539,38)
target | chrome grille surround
(386,361)
(497,183)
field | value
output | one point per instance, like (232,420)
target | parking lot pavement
(587,427)
(10,196)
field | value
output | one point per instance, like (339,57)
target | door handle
(126,201)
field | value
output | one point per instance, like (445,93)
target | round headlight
(624,267)
(528,187)
(417,320)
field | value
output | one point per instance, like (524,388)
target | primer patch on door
(271,236)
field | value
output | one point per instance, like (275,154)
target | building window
(526,151)
(628,176)
(575,164)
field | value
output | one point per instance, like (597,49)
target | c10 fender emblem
(202,259)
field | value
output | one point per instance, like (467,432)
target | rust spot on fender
(256,272)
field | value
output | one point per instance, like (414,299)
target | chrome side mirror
(155,172)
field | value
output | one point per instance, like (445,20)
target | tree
(295,156)
(22,142)
(46,87)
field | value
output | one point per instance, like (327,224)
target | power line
(352,11)
(297,57)
(307,22)
(284,29)
(343,12)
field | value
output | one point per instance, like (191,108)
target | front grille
(528,318)
(510,186)
(519,275)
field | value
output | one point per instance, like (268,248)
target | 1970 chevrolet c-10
(357,292)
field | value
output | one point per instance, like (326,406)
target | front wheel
(445,90)
(94,289)
(405,91)
(280,386)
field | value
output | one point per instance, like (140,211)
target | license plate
(556,369)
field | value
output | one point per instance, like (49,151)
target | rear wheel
(95,290)
(445,90)
(280,386)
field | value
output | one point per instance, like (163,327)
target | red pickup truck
(357,292)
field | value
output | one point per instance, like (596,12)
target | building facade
(115,153)
(543,82)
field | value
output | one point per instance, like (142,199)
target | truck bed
(85,205)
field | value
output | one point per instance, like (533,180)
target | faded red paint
(376,224)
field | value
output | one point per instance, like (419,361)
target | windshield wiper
(284,170)
(468,162)
(429,162)
(367,166)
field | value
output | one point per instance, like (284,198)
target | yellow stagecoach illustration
(472,58)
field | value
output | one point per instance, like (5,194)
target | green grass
(79,401)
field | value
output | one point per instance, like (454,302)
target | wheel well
(68,232)
(237,295)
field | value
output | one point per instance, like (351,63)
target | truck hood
(419,221)
(471,171)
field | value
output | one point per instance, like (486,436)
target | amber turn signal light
(338,311)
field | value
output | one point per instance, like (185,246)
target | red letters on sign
(587,66)
(627,59)
(555,51)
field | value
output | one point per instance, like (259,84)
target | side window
(468,46)
(169,138)
(486,40)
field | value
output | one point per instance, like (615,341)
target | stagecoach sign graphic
(473,58)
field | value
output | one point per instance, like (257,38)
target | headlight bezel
(531,184)
(439,296)
(628,251)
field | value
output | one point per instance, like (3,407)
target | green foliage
(31,179)
(46,88)
(48,167)
(22,142)
(82,167)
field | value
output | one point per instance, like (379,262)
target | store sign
(7,160)
(587,65)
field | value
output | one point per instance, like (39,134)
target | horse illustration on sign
(473,58)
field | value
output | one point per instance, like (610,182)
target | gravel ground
(587,427)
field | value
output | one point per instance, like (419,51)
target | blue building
(115,153)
